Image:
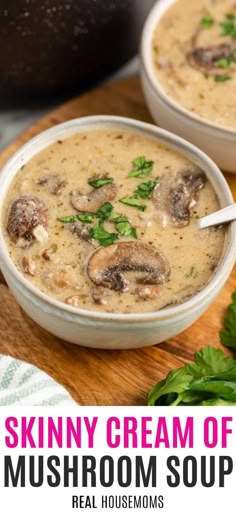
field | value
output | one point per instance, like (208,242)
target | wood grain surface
(97,377)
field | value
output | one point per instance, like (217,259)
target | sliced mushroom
(108,266)
(26,214)
(206,59)
(94,200)
(28,266)
(177,195)
(53,183)
(81,230)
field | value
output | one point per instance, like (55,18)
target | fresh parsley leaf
(230,16)
(124,227)
(98,183)
(228,333)
(222,78)
(67,219)
(104,211)
(211,378)
(209,361)
(145,189)
(168,391)
(143,167)
(217,402)
(100,234)
(113,216)
(206,22)
(139,162)
(85,218)
(225,62)
(133,201)
(220,388)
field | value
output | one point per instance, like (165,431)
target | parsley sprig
(144,190)
(228,26)
(143,168)
(206,22)
(228,333)
(98,232)
(224,62)
(100,182)
(222,78)
(209,381)
(133,201)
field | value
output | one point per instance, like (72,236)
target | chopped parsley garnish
(85,218)
(206,22)
(67,219)
(230,16)
(113,216)
(145,189)
(104,211)
(228,27)
(225,62)
(98,183)
(222,78)
(100,234)
(133,201)
(192,272)
(143,168)
(124,227)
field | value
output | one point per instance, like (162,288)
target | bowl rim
(64,130)
(149,27)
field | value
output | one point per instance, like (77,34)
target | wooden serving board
(97,377)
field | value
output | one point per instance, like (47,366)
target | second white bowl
(219,142)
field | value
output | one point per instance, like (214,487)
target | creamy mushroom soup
(106,220)
(194,54)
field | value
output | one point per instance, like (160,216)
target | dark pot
(47,46)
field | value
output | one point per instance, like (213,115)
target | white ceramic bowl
(219,142)
(103,330)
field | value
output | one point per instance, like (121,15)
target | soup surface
(194,54)
(106,220)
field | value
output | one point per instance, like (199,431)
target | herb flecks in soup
(107,221)
(194,53)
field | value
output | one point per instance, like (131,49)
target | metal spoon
(220,217)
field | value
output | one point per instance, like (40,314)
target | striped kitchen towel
(22,384)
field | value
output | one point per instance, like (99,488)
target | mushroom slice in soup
(206,59)
(95,199)
(177,195)
(109,266)
(28,266)
(81,230)
(26,219)
(53,183)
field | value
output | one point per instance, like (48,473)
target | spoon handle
(221,216)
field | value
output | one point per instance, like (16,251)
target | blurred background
(51,50)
